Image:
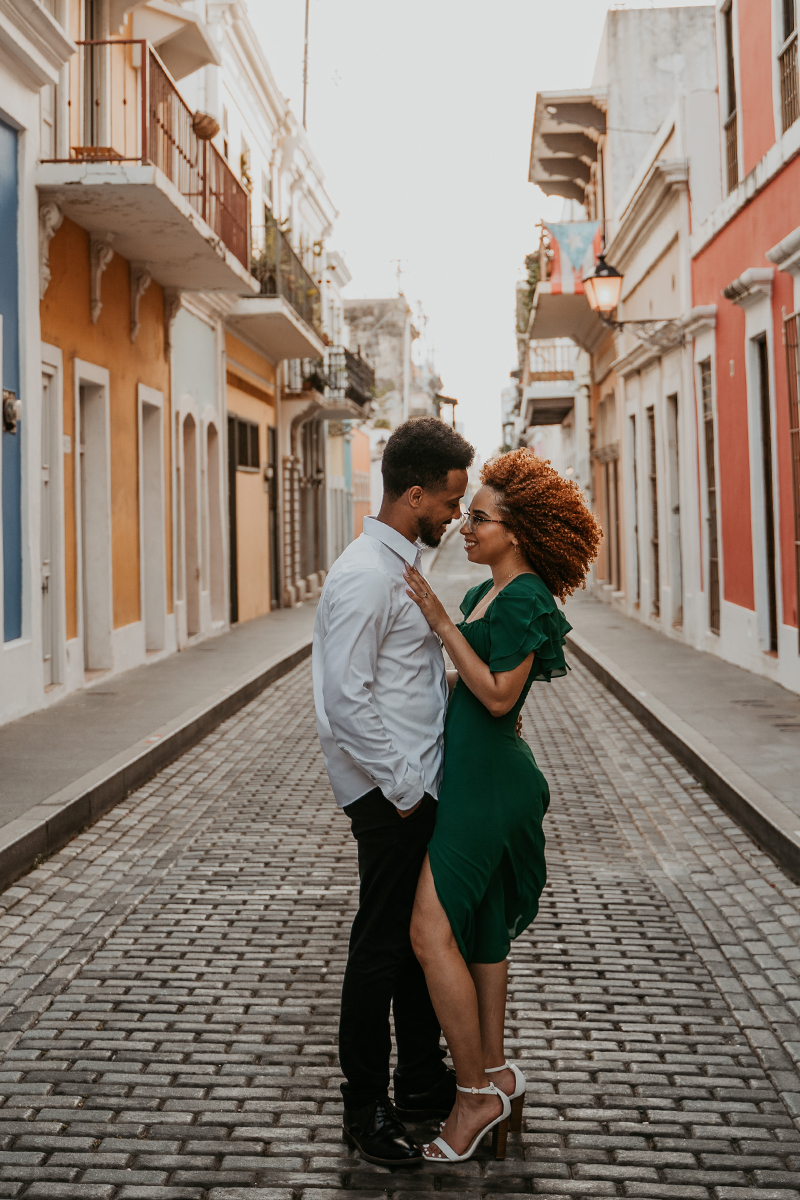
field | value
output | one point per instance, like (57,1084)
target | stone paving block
(191,1038)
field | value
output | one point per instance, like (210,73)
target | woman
(485,869)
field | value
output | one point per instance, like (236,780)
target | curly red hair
(558,533)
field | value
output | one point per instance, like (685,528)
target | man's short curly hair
(558,533)
(420,453)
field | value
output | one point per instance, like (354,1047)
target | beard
(428,533)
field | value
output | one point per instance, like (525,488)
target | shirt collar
(395,541)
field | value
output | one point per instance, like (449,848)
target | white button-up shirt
(380,688)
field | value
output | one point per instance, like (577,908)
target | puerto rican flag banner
(576,246)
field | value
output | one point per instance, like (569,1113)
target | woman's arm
(452,680)
(497,691)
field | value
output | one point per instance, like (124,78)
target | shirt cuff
(407,793)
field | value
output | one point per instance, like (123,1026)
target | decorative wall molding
(786,255)
(700,319)
(50,218)
(140,282)
(172,303)
(751,286)
(101,253)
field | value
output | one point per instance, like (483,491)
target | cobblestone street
(170,981)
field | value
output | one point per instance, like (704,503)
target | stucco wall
(742,244)
(757,117)
(66,323)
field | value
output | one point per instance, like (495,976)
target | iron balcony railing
(342,372)
(351,375)
(124,106)
(790,101)
(732,152)
(281,273)
(552,359)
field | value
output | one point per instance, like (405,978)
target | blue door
(12,454)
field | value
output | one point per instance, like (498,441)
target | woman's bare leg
(491,987)
(455,1000)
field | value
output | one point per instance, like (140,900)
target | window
(248,456)
(787,67)
(655,589)
(711,497)
(224,131)
(731,124)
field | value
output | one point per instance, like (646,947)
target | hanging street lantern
(603,287)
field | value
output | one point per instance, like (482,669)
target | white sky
(420,112)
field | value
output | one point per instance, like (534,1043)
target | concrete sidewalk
(737,732)
(62,767)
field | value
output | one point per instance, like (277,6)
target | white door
(46,537)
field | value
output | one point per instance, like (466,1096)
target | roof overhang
(150,222)
(566,130)
(179,36)
(565,315)
(271,325)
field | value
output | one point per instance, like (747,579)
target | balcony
(284,320)
(138,171)
(552,360)
(351,375)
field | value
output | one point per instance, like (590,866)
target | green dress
(487,851)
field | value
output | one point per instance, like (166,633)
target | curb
(768,821)
(53,822)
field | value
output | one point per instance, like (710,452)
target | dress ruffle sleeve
(522,619)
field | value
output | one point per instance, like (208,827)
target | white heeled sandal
(499,1125)
(517,1097)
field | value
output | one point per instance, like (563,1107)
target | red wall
(773,214)
(755,80)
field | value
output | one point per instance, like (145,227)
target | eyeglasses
(473,520)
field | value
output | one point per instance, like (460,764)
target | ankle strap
(491,1070)
(491,1090)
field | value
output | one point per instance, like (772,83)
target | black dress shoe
(437,1101)
(380,1136)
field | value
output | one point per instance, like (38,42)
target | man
(380,693)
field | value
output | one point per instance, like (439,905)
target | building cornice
(34,40)
(665,178)
(750,287)
(777,157)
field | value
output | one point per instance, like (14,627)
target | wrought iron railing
(732,153)
(360,378)
(344,373)
(790,100)
(124,106)
(281,273)
(350,375)
(552,359)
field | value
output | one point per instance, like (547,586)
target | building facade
(693,412)
(170,262)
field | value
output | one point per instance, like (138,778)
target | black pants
(382,970)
